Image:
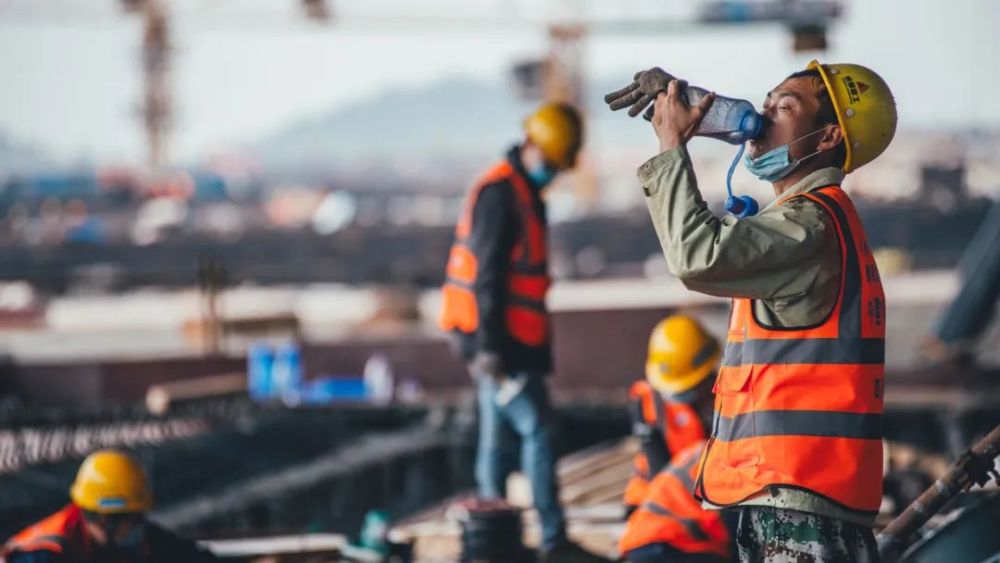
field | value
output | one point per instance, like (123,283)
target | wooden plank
(319,544)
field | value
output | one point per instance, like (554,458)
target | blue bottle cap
(752,125)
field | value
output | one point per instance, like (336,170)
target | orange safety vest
(679,424)
(61,533)
(528,281)
(670,514)
(802,407)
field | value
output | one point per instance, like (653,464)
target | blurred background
(223,224)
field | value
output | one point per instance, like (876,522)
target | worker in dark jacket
(104,523)
(494,305)
(672,406)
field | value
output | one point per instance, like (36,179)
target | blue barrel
(286,373)
(260,360)
(334,389)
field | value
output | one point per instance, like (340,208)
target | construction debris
(975,467)
(326,547)
(592,484)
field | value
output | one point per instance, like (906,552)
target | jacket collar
(821,178)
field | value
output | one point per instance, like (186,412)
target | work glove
(645,86)
(485,364)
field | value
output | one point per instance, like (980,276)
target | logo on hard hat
(852,90)
(111,502)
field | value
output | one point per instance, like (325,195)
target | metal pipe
(975,466)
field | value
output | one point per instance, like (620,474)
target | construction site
(246,263)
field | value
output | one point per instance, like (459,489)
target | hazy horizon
(74,85)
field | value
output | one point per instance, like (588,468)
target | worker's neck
(530,156)
(97,534)
(788,182)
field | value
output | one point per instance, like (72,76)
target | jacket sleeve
(772,255)
(491,241)
(654,447)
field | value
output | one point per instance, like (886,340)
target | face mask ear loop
(732,168)
(807,157)
(806,136)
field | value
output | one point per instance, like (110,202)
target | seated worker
(670,524)
(671,409)
(105,522)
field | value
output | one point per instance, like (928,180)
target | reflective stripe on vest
(803,407)
(691,525)
(817,351)
(685,472)
(670,514)
(526,317)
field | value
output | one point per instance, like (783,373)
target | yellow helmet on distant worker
(681,355)
(866,110)
(111,482)
(557,129)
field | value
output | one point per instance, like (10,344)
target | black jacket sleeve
(491,241)
(654,447)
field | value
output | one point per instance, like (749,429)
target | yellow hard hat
(866,110)
(681,355)
(111,482)
(557,129)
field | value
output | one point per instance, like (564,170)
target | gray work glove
(640,93)
(485,364)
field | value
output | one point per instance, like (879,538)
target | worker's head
(112,490)
(553,135)
(682,358)
(838,115)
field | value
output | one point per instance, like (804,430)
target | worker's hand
(485,364)
(674,120)
(646,84)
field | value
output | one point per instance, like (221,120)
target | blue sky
(244,68)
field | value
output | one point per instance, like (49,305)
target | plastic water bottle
(731,120)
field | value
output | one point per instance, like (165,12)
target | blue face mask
(542,174)
(775,164)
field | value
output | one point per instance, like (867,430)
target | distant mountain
(455,119)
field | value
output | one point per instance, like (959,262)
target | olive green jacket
(786,258)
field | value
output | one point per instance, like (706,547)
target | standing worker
(105,522)
(672,406)
(494,304)
(796,448)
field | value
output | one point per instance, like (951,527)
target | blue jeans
(527,415)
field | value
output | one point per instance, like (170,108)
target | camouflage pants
(773,535)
